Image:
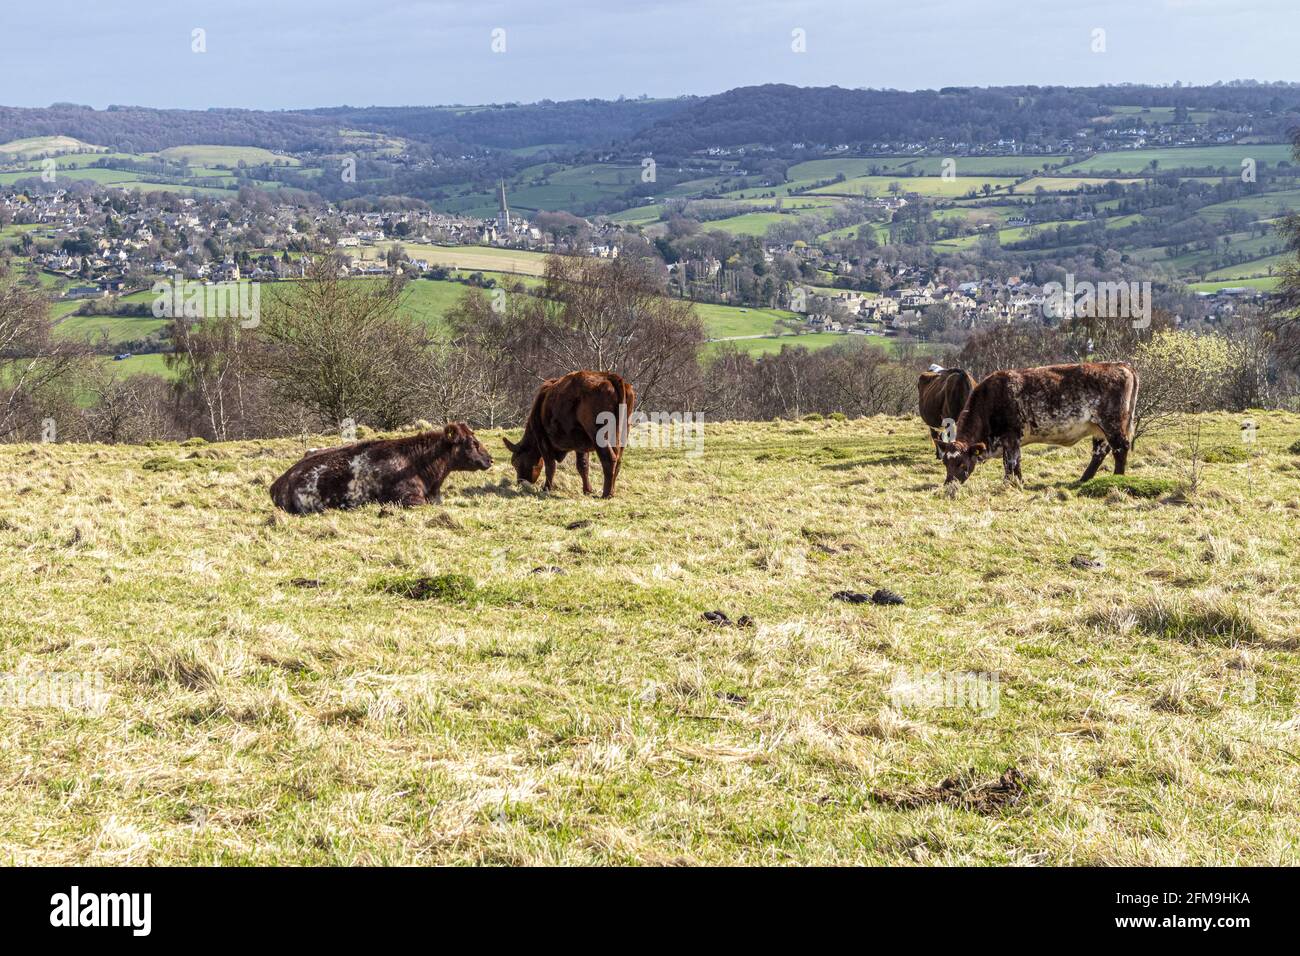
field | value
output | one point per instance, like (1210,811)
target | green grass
(1186,157)
(269,699)
(812,341)
(1264,284)
(931,185)
(226,156)
(724,321)
(32,146)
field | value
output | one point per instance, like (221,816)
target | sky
(291,54)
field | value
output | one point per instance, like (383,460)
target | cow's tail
(1130,401)
(626,398)
(627,402)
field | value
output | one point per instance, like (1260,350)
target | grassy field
(226,156)
(32,146)
(934,186)
(1182,157)
(770,344)
(1265,284)
(723,321)
(264,697)
(465,258)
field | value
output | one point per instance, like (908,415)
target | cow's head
(467,452)
(528,464)
(960,458)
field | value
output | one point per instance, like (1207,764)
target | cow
(1053,404)
(941,395)
(580,412)
(404,471)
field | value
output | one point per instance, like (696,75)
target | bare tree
(32,359)
(340,349)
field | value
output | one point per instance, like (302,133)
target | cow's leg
(1011,458)
(1099,452)
(1119,447)
(412,494)
(608,465)
(549,462)
(581,459)
(934,440)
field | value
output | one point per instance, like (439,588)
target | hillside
(272,699)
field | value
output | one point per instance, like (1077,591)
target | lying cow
(580,412)
(942,394)
(403,471)
(1054,404)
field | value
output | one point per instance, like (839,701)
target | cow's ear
(510,446)
(979,448)
(945,447)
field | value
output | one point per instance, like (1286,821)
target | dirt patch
(962,791)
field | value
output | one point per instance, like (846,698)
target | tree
(1179,373)
(32,360)
(339,349)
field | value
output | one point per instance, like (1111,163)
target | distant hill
(33,147)
(777,115)
(774,116)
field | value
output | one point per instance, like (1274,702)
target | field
(464,258)
(226,156)
(770,344)
(265,696)
(1226,158)
(934,186)
(33,146)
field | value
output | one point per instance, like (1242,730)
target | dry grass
(423,686)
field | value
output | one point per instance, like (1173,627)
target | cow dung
(721,619)
(962,791)
(879,596)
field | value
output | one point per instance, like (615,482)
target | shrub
(814,417)
(1225,454)
(1129,485)
(1295,447)
(1180,372)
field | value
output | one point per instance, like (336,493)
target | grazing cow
(404,471)
(942,394)
(1054,404)
(580,412)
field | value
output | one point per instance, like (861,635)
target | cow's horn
(510,446)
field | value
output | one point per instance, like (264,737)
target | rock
(886,596)
(1085,563)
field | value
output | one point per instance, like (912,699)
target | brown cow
(941,395)
(580,412)
(1054,404)
(404,471)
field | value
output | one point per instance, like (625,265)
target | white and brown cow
(403,471)
(1054,405)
